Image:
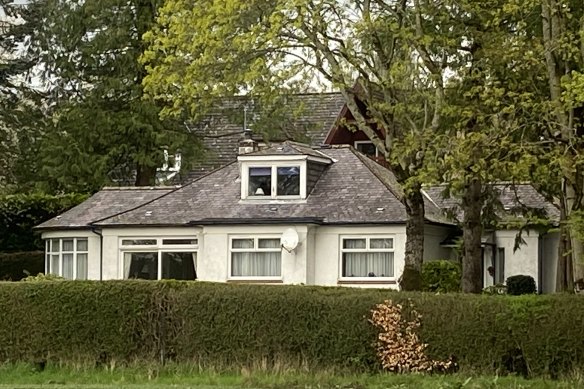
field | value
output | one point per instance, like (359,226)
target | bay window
(67,257)
(159,258)
(254,257)
(367,257)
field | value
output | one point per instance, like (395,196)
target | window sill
(366,282)
(254,281)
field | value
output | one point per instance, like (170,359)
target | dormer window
(286,172)
(274,181)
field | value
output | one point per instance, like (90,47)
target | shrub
(15,266)
(20,213)
(520,284)
(441,276)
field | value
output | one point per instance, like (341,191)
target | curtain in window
(81,266)
(67,265)
(55,264)
(368,264)
(256,264)
(141,265)
(179,266)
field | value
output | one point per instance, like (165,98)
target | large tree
(103,129)
(367,49)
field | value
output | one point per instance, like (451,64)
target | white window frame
(255,250)
(246,166)
(367,248)
(75,252)
(159,248)
(368,142)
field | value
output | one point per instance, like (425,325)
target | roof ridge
(367,163)
(120,188)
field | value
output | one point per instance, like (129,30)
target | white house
(290,214)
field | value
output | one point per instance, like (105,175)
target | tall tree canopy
(103,129)
(427,82)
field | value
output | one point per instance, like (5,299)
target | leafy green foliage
(43,277)
(441,276)
(249,325)
(20,213)
(15,266)
(520,284)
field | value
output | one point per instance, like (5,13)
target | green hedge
(242,325)
(20,213)
(15,266)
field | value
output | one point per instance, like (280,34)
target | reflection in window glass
(354,243)
(179,241)
(242,243)
(179,266)
(139,242)
(260,181)
(141,265)
(289,181)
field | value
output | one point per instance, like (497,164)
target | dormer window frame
(274,162)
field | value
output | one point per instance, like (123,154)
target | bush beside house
(248,325)
(20,247)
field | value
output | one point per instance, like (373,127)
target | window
(274,181)
(159,258)
(67,257)
(366,257)
(256,257)
(500,266)
(367,147)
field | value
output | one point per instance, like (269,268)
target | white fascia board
(283,158)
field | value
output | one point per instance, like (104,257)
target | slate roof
(350,191)
(221,134)
(513,198)
(107,202)
(291,148)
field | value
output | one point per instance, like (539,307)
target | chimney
(247,144)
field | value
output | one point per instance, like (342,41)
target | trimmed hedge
(15,266)
(246,325)
(441,276)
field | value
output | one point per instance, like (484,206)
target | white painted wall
(525,259)
(93,247)
(549,261)
(433,236)
(214,255)
(328,256)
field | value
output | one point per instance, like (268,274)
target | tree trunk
(471,234)
(414,203)
(145,175)
(573,203)
(564,274)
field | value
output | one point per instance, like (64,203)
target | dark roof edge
(58,228)
(231,221)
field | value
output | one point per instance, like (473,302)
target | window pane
(260,181)
(55,265)
(269,243)
(68,266)
(367,149)
(367,264)
(141,265)
(48,264)
(386,243)
(180,241)
(81,266)
(81,244)
(54,245)
(179,266)
(67,244)
(289,181)
(242,243)
(354,243)
(266,264)
(139,242)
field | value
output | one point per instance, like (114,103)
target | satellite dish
(289,239)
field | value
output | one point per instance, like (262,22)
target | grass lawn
(24,376)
